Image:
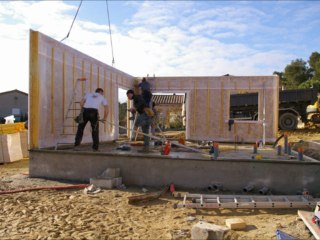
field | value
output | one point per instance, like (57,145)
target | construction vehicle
(294,104)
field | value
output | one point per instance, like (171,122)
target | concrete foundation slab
(186,170)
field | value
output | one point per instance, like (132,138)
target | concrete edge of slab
(310,161)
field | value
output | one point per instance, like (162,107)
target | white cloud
(18,17)
(215,26)
(162,38)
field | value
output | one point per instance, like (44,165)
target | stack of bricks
(109,179)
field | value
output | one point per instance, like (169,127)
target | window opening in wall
(170,111)
(244,106)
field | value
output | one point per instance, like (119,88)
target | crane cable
(72,22)
(108,14)
(113,62)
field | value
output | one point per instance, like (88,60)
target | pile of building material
(109,179)
(13,147)
(312,220)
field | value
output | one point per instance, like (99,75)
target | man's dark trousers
(89,115)
(144,121)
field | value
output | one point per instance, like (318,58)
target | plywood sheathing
(54,68)
(208,103)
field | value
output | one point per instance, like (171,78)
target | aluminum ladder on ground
(247,201)
(72,108)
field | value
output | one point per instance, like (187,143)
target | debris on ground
(109,179)
(180,234)
(92,189)
(204,230)
(147,197)
(280,235)
(73,215)
(236,223)
(191,218)
(124,148)
(122,187)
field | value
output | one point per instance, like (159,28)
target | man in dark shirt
(143,120)
(145,91)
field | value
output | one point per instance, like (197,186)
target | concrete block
(236,223)
(111,173)
(204,231)
(105,183)
(116,181)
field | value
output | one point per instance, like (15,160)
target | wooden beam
(83,76)
(105,90)
(111,105)
(194,106)
(221,108)
(52,123)
(307,219)
(147,197)
(90,78)
(34,89)
(208,108)
(98,76)
(74,84)
(63,87)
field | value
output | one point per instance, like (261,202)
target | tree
(296,73)
(316,77)
(281,78)
(313,60)
(314,72)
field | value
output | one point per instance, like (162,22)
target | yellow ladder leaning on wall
(71,109)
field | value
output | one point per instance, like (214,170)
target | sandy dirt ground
(71,214)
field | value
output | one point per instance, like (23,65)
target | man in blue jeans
(143,120)
(90,105)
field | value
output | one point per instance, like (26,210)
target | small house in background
(171,110)
(15,103)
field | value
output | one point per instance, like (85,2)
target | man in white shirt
(90,105)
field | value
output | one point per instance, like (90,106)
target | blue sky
(165,38)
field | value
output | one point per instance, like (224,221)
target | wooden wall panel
(54,68)
(208,103)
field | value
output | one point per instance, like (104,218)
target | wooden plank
(221,108)
(34,88)
(63,87)
(194,107)
(184,200)
(105,90)
(147,197)
(52,92)
(307,219)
